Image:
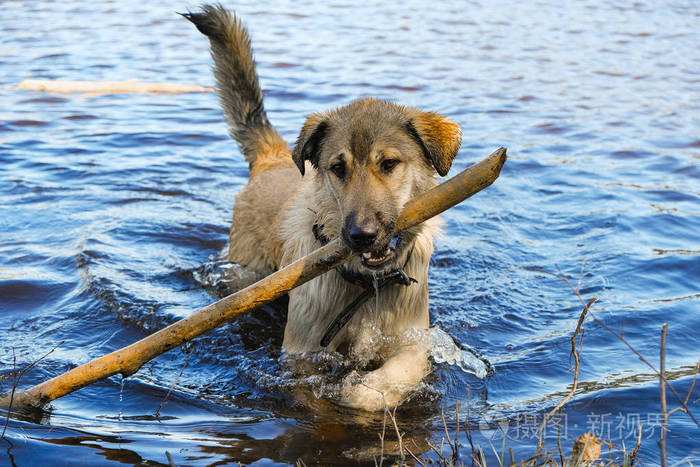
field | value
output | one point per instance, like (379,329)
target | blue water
(114,210)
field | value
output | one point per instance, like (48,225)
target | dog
(349,174)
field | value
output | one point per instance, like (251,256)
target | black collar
(372,284)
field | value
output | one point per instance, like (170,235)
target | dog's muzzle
(370,283)
(365,236)
(375,260)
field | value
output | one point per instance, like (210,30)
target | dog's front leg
(388,385)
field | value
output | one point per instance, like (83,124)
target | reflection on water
(115,211)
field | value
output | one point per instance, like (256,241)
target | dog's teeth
(367,255)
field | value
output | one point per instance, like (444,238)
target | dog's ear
(438,137)
(308,145)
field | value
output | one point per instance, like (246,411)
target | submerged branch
(131,86)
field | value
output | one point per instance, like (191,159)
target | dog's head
(372,157)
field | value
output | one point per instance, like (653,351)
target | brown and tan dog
(351,171)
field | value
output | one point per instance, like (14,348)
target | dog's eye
(389,164)
(338,169)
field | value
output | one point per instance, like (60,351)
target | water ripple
(115,211)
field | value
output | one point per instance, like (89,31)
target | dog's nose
(360,235)
(363,236)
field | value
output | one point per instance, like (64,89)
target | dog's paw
(388,385)
(372,391)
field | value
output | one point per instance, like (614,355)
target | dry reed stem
(512,457)
(439,453)
(633,456)
(399,436)
(690,391)
(414,457)
(662,391)
(172,386)
(575,354)
(381,438)
(561,451)
(455,454)
(467,432)
(447,435)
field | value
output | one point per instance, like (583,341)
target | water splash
(443,349)
(223,278)
(446,350)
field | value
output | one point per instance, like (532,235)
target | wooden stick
(131,86)
(128,360)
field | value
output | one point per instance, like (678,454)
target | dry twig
(172,386)
(575,354)
(381,439)
(690,392)
(468,432)
(662,391)
(453,445)
(399,436)
(633,456)
(414,457)
(561,451)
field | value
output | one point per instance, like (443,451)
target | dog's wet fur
(351,171)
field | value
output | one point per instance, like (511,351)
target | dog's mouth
(380,257)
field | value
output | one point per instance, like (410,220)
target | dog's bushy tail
(237,81)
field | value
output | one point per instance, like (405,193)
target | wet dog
(348,176)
